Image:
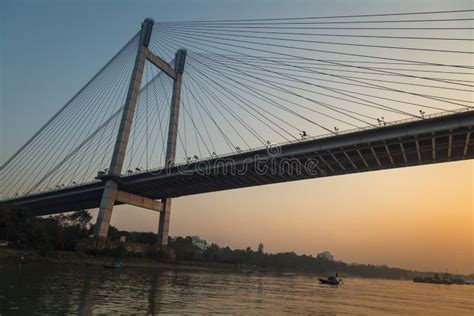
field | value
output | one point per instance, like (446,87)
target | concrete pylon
(179,61)
(110,193)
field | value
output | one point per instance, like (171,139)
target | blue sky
(49,49)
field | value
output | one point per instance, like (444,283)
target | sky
(418,217)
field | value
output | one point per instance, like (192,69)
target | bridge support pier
(164,224)
(106,206)
(111,194)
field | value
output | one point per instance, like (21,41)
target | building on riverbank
(200,243)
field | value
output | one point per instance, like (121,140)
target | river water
(71,289)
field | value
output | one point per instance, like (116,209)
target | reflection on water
(46,288)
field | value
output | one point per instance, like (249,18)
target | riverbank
(80,258)
(8,255)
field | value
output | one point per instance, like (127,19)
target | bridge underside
(434,140)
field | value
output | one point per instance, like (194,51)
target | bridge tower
(179,61)
(111,194)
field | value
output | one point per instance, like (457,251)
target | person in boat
(335,278)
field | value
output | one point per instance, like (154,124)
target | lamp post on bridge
(111,193)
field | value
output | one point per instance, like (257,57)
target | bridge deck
(433,140)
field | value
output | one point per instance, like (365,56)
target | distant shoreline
(8,255)
(11,256)
(65,239)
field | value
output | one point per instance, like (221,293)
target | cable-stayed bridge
(201,106)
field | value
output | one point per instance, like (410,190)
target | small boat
(436,279)
(330,282)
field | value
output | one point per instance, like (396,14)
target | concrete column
(164,224)
(174,112)
(106,205)
(130,102)
(163,227)
(111,186)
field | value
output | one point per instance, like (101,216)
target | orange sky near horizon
(418,217)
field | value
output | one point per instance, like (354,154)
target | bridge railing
(321,136)
(66,186)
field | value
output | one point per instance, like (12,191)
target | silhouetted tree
(23,229)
